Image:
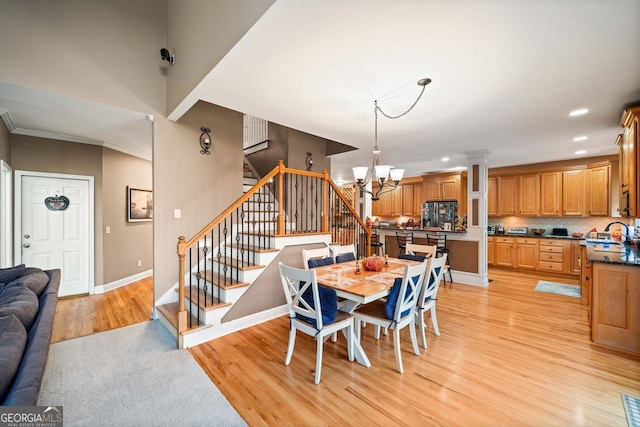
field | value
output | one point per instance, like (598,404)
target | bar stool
(404,237)
(440,241)
(376,244)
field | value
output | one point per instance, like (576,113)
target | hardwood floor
(88,314)
(507,355)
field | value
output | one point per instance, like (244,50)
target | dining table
(358,286)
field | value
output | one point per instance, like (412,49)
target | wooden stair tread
(212,277)
(252,248)
(192,292)
(233,262)
(170,312)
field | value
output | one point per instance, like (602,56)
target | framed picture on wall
(139,205)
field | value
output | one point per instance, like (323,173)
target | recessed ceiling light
(581,151)
(445,159)
(580,138)
(578,112)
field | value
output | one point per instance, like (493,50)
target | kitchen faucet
(628,236)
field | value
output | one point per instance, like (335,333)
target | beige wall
(127,242)
(5,143)
(105,51)
(201,32)
(47,155)
(200,186)
(299,144)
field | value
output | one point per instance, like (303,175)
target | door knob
(26,245)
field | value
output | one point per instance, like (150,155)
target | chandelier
(387,176)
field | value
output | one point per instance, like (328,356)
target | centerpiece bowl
(538,231)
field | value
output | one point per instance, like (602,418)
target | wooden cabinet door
(407,200)
(491,250)
(492,194)
(574,258)
(417,200)
(550,193)
(386,204)
(573,193)
(527,256)
(599,190)
(507,195)
(449,188)
(505,252)
(529,195)
(396,201)
(432,190)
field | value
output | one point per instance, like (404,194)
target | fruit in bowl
(538,231)
(577,234)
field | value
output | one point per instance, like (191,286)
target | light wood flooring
(506,356)
(88,314)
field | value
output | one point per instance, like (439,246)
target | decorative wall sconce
(309,161)
(205,141)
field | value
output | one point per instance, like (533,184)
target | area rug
(132,376)
(632,409)
(558,288)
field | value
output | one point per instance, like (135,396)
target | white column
(477,217)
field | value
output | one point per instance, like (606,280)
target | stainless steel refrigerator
(438,214)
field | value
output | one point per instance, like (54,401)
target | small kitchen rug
(632,409)
(558,288)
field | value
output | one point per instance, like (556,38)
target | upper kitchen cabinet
(492,197)
(507,195)
(550,193)
(574,192)
(598,182)
(529,195)
(629,160)
(405,200)
(442,187)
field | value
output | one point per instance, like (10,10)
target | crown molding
(8,121)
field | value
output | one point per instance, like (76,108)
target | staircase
(231,259)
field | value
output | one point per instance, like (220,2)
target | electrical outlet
(107,230)
(139,263)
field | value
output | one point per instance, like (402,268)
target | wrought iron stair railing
(285,202)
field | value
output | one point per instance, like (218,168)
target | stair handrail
(280,170)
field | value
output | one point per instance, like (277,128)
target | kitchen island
(612,280)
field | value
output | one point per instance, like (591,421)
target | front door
(55,229)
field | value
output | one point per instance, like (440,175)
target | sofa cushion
(13,340)
(34,279)
(10,274)
(20,301)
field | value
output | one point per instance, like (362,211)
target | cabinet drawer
(526,241)
(552,249)
(550,266)
(505,239)
(551,242)
(546,256)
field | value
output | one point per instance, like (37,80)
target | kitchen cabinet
(574,192)
(492,197)
(407,200)
(442,187)
(598,201)
(505,251)
(615,309)
(550,193)
(399,202)
(491,250)
(629,155)
(586,275)
(527,253)
(551,255)
(574,257)
(418,200)
(529,195)
(507,195)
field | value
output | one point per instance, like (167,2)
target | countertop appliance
(560,232)
(442,214)
(491,229)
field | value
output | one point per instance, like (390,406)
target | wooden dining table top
(343,277)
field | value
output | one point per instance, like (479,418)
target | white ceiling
(505,75)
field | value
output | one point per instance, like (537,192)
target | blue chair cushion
(328,304)
(346,257)
(419,258)
(313,263)
(392,299)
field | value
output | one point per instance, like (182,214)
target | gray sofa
(28,298)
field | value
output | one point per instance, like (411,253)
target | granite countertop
(418,229)
(536,236)
(615,254)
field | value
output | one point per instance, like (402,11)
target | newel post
(182,312)
(281,229)
(325,205)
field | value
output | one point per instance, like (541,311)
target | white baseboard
(124,281)
(465,278)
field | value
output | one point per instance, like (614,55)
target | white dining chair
(399,312)
(343,253)
(313,310)
(310,254)
(428,294)
(424,250)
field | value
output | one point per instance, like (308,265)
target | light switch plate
(177,213)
